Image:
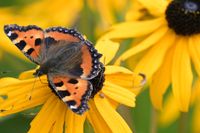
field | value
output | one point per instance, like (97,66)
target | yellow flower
(170,112)
(54,114)
(43,13)
(166,45)
(136,11)
(107,12)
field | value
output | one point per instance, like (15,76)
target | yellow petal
(96,119)
(74,123)
(124,78)
(24,86)
(7,81)
(152,60)
(45,119)
(51,120)
(146,43)
(18,96)
(182,75)
(27,74)
(170,112)
(161,80)
(1,100)
(121,79)
(107,48)
(155,7)
(112,118)
(134,29)
(114,103)
(58,125)
(111,69)
(136,11)
(119,94)
(194,50)
(104,8)
(22,105)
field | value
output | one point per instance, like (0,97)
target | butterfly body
(70,62)
(61,58)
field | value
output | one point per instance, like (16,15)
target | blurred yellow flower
(136,12)
(166,46)
(117,89)
(171,113)
(107,12)
(195,101)
(43,13)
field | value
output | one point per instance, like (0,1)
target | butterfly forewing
(27,38)
(90,57)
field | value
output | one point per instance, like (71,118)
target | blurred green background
(92,20)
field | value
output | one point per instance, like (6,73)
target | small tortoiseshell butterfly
(70,61)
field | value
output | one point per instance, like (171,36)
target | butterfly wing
(74,92)
(28,39)
(90,65)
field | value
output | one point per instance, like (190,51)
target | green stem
(126,113)
(153,128)
(183,123)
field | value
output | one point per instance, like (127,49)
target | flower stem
(183,123)
(153,126)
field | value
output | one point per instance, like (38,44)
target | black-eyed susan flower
(166,45)
(54,115)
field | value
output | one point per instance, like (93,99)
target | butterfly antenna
(142,82)
(36,76)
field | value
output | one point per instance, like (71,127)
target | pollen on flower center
(183,16)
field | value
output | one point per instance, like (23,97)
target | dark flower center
(183,16)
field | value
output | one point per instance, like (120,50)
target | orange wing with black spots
(90,57)
(27,38)
(74,92)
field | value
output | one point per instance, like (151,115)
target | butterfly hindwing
(74,92)
(27,38)
(90,57)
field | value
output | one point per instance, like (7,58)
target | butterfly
(70,62)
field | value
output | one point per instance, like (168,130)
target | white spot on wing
(72,107)
(9,33)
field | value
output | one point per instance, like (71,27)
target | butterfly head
(41,71)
